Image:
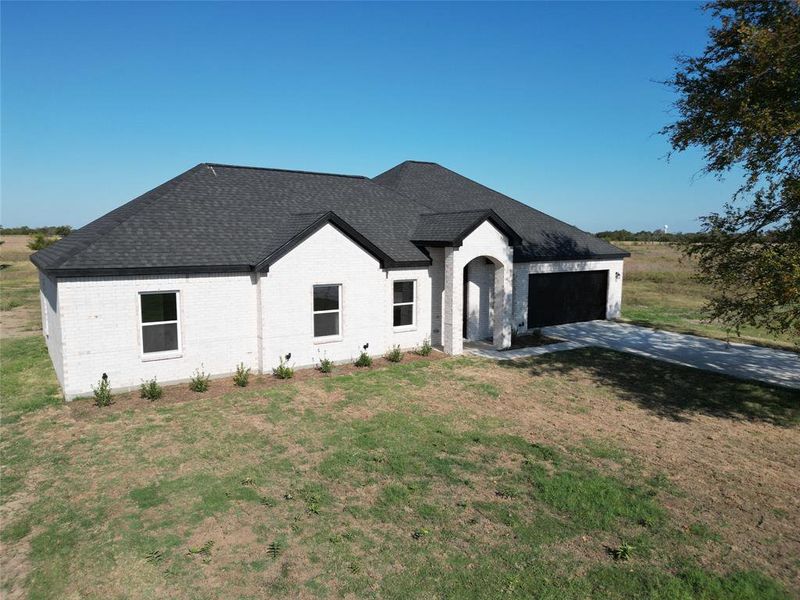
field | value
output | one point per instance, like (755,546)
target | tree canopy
(740,103)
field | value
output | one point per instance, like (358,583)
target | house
(226,264)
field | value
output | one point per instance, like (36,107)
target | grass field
(579,474)
(659,291)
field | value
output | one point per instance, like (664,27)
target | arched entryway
(478,299)
(486,279)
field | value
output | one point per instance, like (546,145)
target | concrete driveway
(739,360)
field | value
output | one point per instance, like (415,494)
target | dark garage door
(556,298)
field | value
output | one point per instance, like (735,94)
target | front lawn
(574,475)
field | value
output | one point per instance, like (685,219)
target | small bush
(242,375)
(102,393)
(151,390)
(425,349)
(363,360)
(40,240)
(394,355)
(325,364)
(622,552)
(199,380)
(283,370)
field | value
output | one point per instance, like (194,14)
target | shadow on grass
(669,390)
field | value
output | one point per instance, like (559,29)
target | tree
(740,102)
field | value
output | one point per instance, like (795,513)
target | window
(404,298)
(160,331)
(327,310)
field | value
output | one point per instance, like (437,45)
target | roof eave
(556,258)
(134,271)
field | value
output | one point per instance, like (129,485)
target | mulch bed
(85,408)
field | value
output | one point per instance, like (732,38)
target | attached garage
(556,298)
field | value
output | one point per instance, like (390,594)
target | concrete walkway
(777,367)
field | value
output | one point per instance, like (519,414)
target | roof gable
(450,228)
(308,224)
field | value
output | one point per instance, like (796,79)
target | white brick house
(226,264)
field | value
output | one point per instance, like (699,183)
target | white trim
(413,325)
(166,354)
(45,313)
(338,336)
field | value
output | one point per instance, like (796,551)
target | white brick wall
(437,293)
(51,323)
(101,332)
(93,326)
(522,270)
(330,257)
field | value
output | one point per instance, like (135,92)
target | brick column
(503,305)
(452,303)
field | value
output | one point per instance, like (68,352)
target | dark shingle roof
(543,237)
(450,228)
(226,218)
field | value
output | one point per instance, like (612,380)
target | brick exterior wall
(330,257)
(51,323)
(92,325)
(101,332)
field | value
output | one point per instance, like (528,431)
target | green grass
(400,501)
(13,297)
(28,382)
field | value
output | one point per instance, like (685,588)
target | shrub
(283,370)
(242,375)
(40,240)
(394,355)
(102,393)
(425,349)
(622,552)
(199,380)
(151,390)
(325,364)
(364,359)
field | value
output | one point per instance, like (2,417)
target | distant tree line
(623,235)
(48,230)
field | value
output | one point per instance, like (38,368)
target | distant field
(659,292)
(19,288)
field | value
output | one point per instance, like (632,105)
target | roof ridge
(515,200)
(457,212)
(140,203)
(226,166)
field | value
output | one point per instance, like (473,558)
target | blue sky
(556,105)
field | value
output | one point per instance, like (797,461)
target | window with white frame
(327,310)
(160,326)
(405,295)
